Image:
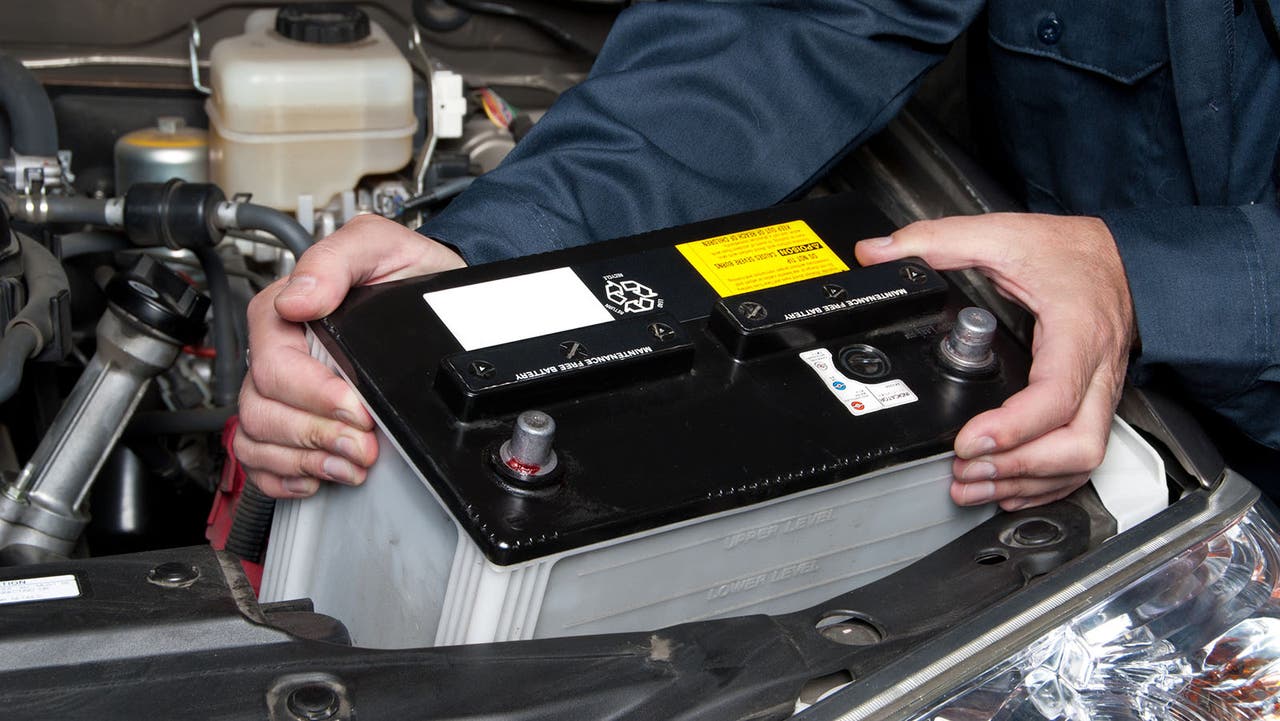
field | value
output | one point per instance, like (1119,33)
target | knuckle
(242,447)
(323,253)
(314,434)
(1015,466)
(251,421)
(1092,453)
(262,374)
(263,300)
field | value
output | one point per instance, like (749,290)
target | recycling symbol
(630,296)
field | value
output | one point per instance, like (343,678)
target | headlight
(1196,638)
(1177,619)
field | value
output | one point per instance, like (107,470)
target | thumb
(317,285)
(945,244)
(364,250)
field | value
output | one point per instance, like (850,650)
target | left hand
(1045,440)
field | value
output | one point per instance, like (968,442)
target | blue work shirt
(1160,117)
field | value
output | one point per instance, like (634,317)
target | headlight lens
(1197,638)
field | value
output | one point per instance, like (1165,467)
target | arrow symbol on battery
(572,350)
(913,274)
(481,369)
(752,310)
(661,331)
(834,292)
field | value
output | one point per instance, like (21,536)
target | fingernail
(878,242)
(301,486)
(299,285)
(339,470)
(979,471)
(980,492)
(978,447)
(347,417)
(347,446)
(1014,505)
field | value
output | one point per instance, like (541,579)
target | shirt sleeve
(699,109)
(1206,292)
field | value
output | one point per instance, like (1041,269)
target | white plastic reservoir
(311,115)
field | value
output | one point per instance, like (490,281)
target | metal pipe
(152,313)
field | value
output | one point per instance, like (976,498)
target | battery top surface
(687,371)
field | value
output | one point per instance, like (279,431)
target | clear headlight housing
(1196,638)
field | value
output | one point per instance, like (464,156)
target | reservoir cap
(323,23)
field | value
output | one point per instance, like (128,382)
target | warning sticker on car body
(762,258)
(856,397)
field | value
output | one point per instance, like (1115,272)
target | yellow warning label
(761,258)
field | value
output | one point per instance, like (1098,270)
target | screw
(661,331)
(752,310)
(913,274)
(482,369)
(1036,532)
(314,703)
(573,350)
(834,292)
(173,574)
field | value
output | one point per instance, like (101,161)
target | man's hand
(300,423)
(1044,441)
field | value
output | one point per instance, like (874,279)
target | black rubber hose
(251,524)
(71,209)
(16,347)
(228,364)
(439,16)
(444,191)
(32,127)
(179,423)
(92,241)
(33,326)
(287,230)
(557,33)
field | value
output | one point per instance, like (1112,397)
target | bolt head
(314,702)
(173,574)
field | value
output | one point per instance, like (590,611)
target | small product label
(856,397)
(45,588)
(762,258)
(523,306)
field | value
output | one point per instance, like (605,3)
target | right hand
(299,422)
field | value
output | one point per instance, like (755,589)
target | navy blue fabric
(1162,118)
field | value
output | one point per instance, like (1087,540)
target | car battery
(724,418)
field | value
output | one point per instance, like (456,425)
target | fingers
(946,244)
(368,249)
(292,462)
(299,422)
(285,450)
(1061,373)
(1017,493)
(278,487)
(284,370)
(1044,440)
(1045,469)
(268,421)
